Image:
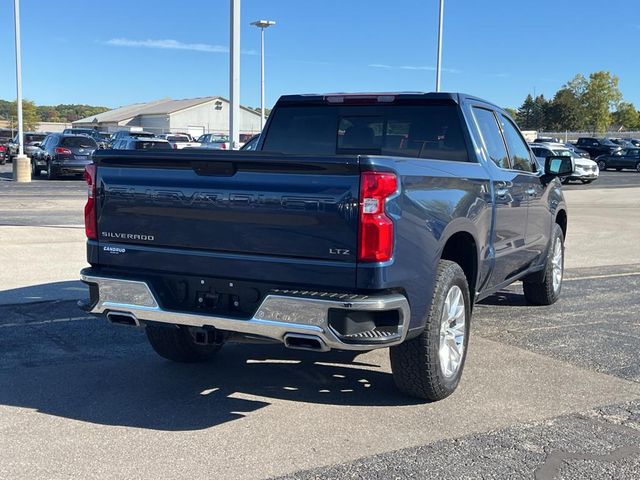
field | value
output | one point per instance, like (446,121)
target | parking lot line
(44,322)
(595,277)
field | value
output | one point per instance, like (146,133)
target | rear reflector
(90,221)
(376,235)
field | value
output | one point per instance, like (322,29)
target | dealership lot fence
(573,136)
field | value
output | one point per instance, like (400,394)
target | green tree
(565,111)
(539,114)
(626,116)
(30,118)
(525,114)
(513,113)
(600,97)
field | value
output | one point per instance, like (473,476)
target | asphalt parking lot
(548,392)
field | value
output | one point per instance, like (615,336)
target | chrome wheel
(557,265)
(452,332)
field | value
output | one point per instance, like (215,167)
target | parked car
(546,140)
(179,141)
(350,241)
(100,137)
(61,154)
(31,142)
(251,144)
(577,151)
(628,158)
(584,169)
(634,141)
(622,142)
(5,137)
(126,133)
(141,143)
(214,141)
(597,146)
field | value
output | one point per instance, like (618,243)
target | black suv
(138,143)
(93,133)
(597,146)
(62,154)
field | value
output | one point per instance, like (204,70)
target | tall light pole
(262,24)
(439,60)
(234,75)
(21,164)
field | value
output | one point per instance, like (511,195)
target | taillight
(90,222)
(376,228)
(223,146)
(175,146)
(2,148)
(63,151)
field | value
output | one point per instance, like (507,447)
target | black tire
(564,180)
(638,167)
(35,169)
(415,363)
(541,290)
(51,173)
(618,169)
(586,181)
(177,344)
(602,165)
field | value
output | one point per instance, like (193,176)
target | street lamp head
(263,23)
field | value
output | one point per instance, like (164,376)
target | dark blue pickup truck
(362,221)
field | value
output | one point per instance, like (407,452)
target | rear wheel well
(461,248)
(561,219)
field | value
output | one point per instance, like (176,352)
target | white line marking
(44,322)
(595,277)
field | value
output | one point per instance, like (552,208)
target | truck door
(510,218)
(538,225)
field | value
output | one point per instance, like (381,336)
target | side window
(491,137)
(520,156)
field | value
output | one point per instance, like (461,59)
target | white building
(192,115)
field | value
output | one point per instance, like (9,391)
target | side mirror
(558,166)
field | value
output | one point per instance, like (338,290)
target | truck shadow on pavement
(144,391)
(71,289)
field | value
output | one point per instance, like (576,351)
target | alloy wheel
(557,265)
(452,332)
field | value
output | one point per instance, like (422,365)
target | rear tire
(177,344)
(638,167)
(602,165)
(546,289)
(35,169)
(51,173)
(422,366)
(586,181)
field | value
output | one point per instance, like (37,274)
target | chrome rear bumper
(278,317)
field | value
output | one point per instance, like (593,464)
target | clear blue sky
(116,52)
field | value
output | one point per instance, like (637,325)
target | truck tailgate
(230,203)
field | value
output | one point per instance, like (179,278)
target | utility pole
(21,163)
(234,76)
(439,59)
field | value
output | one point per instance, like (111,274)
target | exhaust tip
(304,342)
(123,319)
